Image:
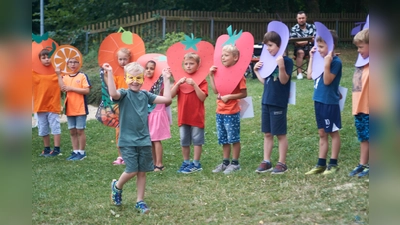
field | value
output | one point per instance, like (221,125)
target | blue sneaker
(45,152)
(116,194)
(357,170)
(53,153)
(192,168)
(364,173)
(142,207)
(183,166)
(79,156)
(73,154)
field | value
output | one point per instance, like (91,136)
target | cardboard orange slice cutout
(161,63)
(40,43)
(112,43)
(61,56)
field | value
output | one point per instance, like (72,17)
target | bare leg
(140,185)
(236,150)
(46,140)
(268,144)
(299,60)
(158,150)
(335,144)
(57,139)
(186,152)
(82,139)
(153,152)
(283,147)
(226,151)
(74,138)
(323,144)
(125,177)
(197,152)
(364,153)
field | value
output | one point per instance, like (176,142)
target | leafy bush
(170,39)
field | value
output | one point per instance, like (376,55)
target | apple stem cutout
(126,36)
(39,38)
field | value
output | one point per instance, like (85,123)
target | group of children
(140,134)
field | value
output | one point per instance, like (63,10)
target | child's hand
(312,51)
(58,70)
(166,72)
(212,70)
(107,67)
(190,81)
(258,65)
(223,98)
(279,61)
(182,80)
(328,58)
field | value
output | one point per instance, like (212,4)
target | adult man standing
(302,48)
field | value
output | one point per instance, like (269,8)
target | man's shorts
(273,119)
(137,158)
(48,121)
(228,128)
(77,122)
(191,134)
(327,117)
(305,48)
(361,121)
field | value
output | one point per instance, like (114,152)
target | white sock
(76,151)
(82,152)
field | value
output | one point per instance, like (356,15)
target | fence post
(163,27)
(337,27)
(87,43)
(212,29)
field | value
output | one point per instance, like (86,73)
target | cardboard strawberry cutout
(318,61)
(38,44)
(115,41)
(61,56)
(175,55)
(227,78)
(161,63)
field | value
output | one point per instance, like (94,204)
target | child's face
(73,64)
(190,66)
(322,48)
(149,70)
(134,80)
(272,48)
(228,59)
(363,49)
(45,60)
(123,59)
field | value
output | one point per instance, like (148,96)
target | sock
(196,162)
(333,162)
(57,149)
(47,148)
(321,162)
(82,152)
(225,162)
(76,151)
(267,161)
(187,161)
(235,162)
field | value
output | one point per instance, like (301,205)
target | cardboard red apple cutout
(227,78)
(161,63)
(175,55)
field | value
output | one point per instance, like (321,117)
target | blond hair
(362,37)
(192,55)
(133,68)
(231,49)
(334,37)
(125,51)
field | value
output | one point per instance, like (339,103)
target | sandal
(119,161)
(158,168)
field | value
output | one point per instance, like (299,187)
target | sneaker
(317,169)
(53,153)
(280,168)
(118,161)
(364,173)
(45,152)
(220,168)
(192,168)
(331,169)
(79,156)
(142,207)
(299,76)
(73,154)
(357,170)
(264,167)
(231,168)
(183,166)
(116,194)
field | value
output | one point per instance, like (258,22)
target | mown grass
(65,192)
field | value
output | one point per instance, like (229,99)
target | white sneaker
(299,76)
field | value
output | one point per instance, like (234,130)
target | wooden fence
(213,24)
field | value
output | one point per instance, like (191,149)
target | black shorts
(305,48)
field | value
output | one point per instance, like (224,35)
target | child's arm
(211,74)
(258,65)
(283,76)
(328,76)
(309,68)
(200,94)
(242,94)
(166,98)
(82,91)
(112,90)
(176,86)
(60,79)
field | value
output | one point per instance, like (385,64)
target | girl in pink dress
(159,124)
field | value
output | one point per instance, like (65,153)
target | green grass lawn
(65,192)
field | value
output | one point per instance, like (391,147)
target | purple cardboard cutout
(360,60)
(318,60)
(265,57)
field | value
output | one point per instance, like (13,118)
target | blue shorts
(273,119)
(137,158)
(228,128)
(361,121)
(191,134)
(327,117)
(48,121)
(77,122)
